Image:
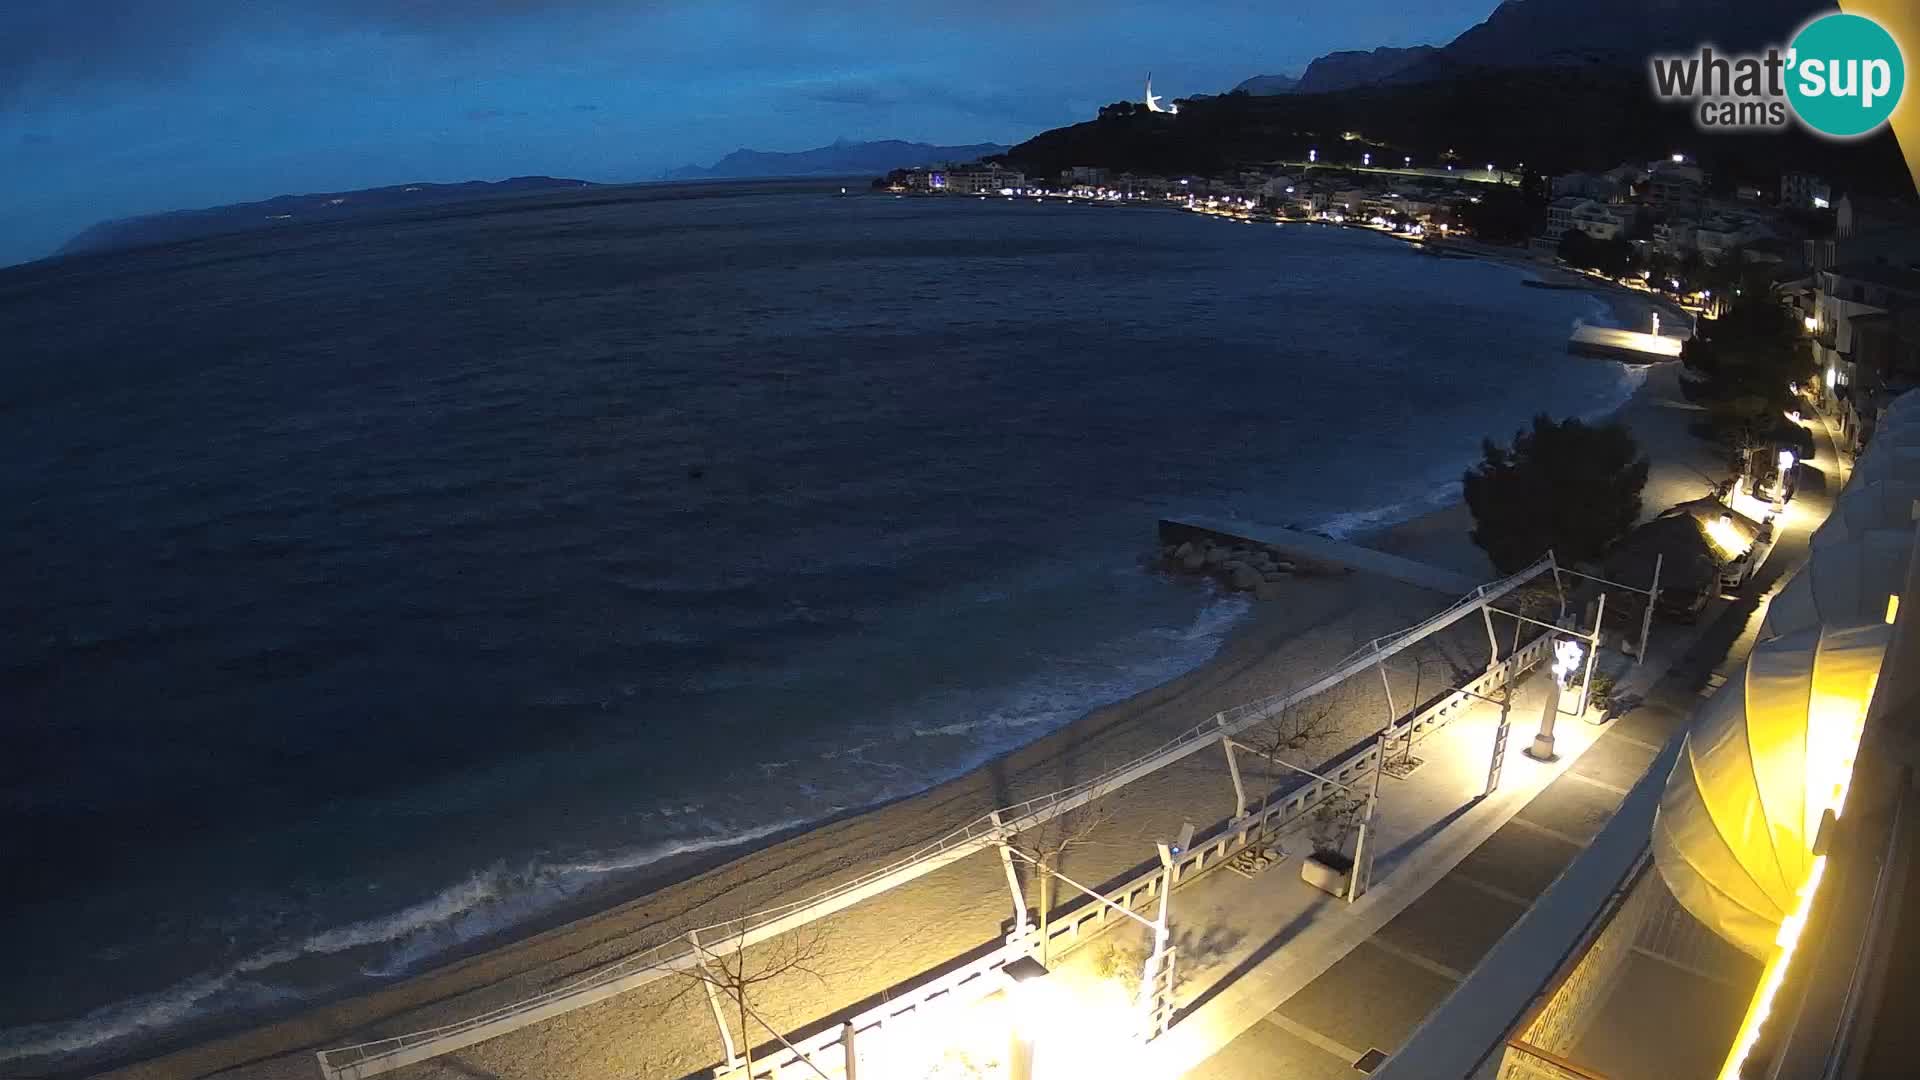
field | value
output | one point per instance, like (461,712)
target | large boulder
(1193,559)
(1269,590)
(1217,555)
(1244,578)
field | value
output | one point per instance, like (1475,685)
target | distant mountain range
(283,210)
(843,158)
(1557,33)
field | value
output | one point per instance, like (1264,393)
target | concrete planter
(1328,872)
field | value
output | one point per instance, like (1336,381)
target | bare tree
(1047,845)
(1297,726)
(734,971)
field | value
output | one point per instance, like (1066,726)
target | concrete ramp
(1313,552)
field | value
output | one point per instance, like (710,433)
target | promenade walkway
(1285,981)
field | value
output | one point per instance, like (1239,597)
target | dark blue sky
(117,107)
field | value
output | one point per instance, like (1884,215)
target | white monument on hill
(1153,100)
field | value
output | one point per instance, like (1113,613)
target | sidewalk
(1282,980)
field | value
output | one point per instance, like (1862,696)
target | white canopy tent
(1868,504)
(1846,582)
(1766,758)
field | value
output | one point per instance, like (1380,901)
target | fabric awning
(1845,583)
(1734,834)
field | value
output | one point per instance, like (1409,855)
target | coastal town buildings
(1865,328)
(984,179)
(1676,187)
(1598,220)
(1804,191)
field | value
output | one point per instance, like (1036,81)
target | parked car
(1680,605)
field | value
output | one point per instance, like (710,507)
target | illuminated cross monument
(1153,100)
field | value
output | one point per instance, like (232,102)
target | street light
(1567,654)
(1028,979)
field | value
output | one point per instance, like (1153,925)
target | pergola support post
(1492,641)
(1013,883)
(1646,617)
(1239,786)
(1354,884)
(1593,655)
(713,1002)
(1559,584)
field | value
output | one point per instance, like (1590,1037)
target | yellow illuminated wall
(1902,20)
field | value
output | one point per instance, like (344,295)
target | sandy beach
(664,1031)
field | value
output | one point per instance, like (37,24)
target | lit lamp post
(1567,654)
(1785,462)
(1028,978)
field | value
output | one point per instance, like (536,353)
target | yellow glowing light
(1077,1023)
(1833,740)
(1726,537)
(1893,607)
(1773,974)
(1813,324)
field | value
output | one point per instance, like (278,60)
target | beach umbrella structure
(1887,457)
(1768,757)
(1848,580)
(1868,504)
(1904,409)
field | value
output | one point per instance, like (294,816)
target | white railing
(638,969)
(825,1052)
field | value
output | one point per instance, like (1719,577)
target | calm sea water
(369,589)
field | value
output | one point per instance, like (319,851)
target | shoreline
(697,887)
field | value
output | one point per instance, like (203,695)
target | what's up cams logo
(1840,77)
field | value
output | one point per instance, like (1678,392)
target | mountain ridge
(170,226)
(1558,33)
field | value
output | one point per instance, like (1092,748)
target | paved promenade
(1283,980)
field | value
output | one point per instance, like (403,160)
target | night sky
(118,107)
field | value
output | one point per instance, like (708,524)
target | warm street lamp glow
(1726,537)
(1812,323)
(1567,654)
(1893,607)
(1773,974)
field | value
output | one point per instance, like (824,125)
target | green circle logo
(1846,75)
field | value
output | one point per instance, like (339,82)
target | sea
(369,590)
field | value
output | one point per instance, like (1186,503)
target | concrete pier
(1312,552)
(1633,346)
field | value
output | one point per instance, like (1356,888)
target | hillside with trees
(1546,119)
